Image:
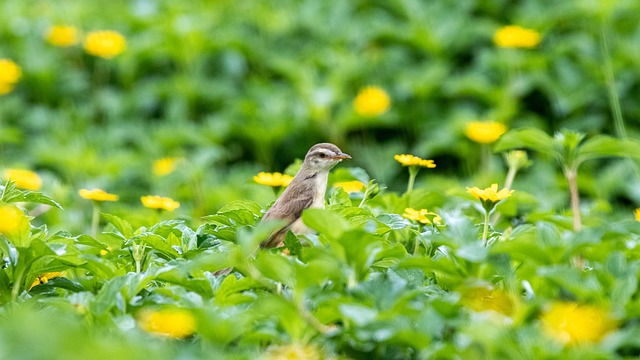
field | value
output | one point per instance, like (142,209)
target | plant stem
(413,172)
(95,219)
(614,100)
(17,283)
(572,178)
(511,175)
(486,227)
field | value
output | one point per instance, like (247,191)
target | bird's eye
(322,155)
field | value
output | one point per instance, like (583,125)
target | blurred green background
(236,88)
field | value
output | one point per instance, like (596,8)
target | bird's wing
(288,208)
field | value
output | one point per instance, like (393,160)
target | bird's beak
(342,156)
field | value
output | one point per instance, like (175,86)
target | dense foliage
(189,100)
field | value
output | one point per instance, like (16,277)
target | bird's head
(323,156)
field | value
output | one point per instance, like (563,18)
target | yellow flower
(350,186)
(572,323)
(422,215)
(410,160)
(490,194)
(637,214)
(483,298)
(25,179)
(273,179)
(165,166)
(294,352)
(98,195)
(13,222)
(10,73)
(158,202)
(44,278)
(105,43)
(63,36)
(175,323)
(371,101)
(484,132)
(514,36)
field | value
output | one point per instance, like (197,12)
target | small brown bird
(306,190)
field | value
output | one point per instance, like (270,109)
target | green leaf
(325,222)
(40,198)
(533,139)
(605,146)
(157,243)
(121,225)
(292,243)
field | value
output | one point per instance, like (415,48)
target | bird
(306,190)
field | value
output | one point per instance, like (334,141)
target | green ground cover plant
(491,209)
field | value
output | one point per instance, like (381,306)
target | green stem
(511,175)
(416,246)
(413,172)
(95,219)
(614,100)
(486,228)
(15,290)
(572,178)
(485,158)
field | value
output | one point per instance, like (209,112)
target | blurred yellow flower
(175,323)
(484,132)
(98,195)
(422,215)
(165,166)
(410,160)
(514,36)
(25,179)
(572,323)
(371,101)
(44,278)
(490,194)
(294,352)
(105,43)
(273,179)
(63,36)
(350,186)
(637,214)
(10,73)
(483,298)
(158,202)
(13,222)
